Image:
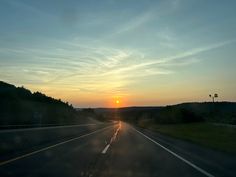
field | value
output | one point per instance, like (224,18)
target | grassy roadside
(218,137)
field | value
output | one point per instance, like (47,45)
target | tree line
(19,105)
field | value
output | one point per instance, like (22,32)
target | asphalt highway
(103,150)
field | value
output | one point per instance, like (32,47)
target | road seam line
(50,147)
(45,128)
(176,155)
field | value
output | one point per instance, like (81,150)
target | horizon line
(153,106)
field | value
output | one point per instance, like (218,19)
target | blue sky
(141,52)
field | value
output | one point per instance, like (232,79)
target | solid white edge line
(176,155)
(105,149)
(49,147)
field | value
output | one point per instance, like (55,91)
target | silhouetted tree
(19,106)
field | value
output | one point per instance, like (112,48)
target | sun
(117,101)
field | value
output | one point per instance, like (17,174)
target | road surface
(105,150)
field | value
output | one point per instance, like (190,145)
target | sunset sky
(140,52)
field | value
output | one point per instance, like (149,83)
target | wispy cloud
(185,54)
(135,22)
(102,69)
(94,65)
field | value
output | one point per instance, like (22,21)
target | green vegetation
(220,112)
(19,106)
(188,121)
(193,122)
(220,137)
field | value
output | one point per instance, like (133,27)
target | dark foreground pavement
(107,150)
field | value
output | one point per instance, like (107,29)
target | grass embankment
(218,137)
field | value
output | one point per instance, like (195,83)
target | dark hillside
(219,112)
(19,106)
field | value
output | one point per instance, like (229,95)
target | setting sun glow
(147,53)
